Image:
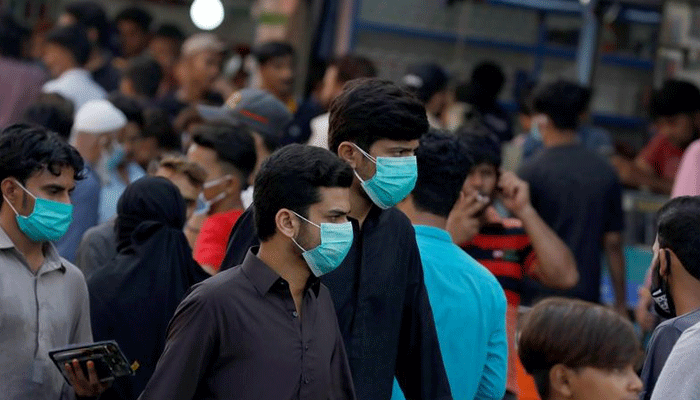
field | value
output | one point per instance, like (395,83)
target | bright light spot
(585,2)
(207,14)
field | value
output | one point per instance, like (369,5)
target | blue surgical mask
(115,157)
(394,180)
(336,240)
(49,220)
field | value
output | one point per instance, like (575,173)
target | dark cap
(260,111)
(424,80)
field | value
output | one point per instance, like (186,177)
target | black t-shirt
(579,196)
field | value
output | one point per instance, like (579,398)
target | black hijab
(135,295)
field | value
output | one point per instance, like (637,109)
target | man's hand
(515,193)
(85,387)
(644,317)
(625,170)
(463,221)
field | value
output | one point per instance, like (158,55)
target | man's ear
(286,223)
(669,258)
(10,189)
(560,377)
(348,153)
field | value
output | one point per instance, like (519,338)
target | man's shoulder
(73,273)
(392,219)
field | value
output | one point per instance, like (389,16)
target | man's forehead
(45,177)
(334,199)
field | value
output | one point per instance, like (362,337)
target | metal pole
(588,43)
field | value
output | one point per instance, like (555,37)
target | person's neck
(360,205)
(419,217)
(560,138)
(96,60)
(191,93)
(687,295)
(33,252)
(232,202)
(288,265)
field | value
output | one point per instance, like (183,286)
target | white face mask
(204,205)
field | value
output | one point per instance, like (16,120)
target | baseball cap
(200,42)
(259,110)
(425,80)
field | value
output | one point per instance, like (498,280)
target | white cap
(98,116)
(200,42)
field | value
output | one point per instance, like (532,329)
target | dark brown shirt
(238,335)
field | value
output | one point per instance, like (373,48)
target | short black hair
(12,35)
(353,67)
(675,97)
(267,51)
(679,230)
(371,109)
(27,149)
(290,179)
(91,15)
(443,165)
(156,124)
(52,111)
(145,75)
(233,144)
(482,146)
(489,77)
(136,15)
(170,31)
(74,39)
(562,102)
(132,109)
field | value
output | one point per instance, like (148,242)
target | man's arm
(494,377)
(616,262)
(557,266)
(638,173)
(188,350)
(419,368)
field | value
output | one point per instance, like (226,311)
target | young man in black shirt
(267,329)
(577,193)
(378,290)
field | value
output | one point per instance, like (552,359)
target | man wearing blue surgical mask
(43,297)
(267,329)
(378,290)
(96,125)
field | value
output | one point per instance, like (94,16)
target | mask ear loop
(294,240)
(25,190)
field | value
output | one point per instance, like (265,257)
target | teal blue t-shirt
(469,308)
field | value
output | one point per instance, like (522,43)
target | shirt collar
(264,278)
(5,241)
(76,72)
(433,232)
(52,261)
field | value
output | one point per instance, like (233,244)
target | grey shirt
(97,248)
(38,312)
(680,377)
(660,345)
(238,335)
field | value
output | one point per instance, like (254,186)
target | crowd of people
(361,242)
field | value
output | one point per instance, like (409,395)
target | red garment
(505,249)
(663,156)
(210,247)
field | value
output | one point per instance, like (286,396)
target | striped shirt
(505,250)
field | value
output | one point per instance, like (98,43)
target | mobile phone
(108,358)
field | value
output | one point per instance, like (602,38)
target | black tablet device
(109,360)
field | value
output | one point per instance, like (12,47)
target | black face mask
(660,291)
